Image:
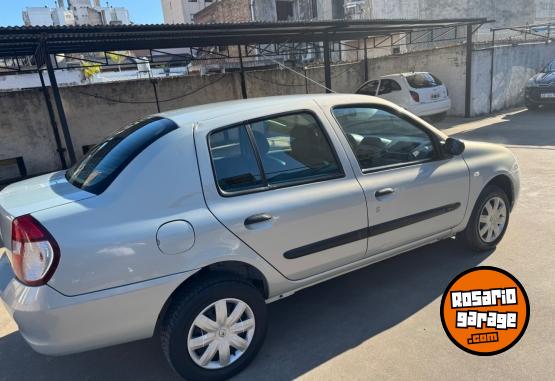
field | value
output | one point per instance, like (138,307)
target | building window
(314,9)
(284,10)
(337,9)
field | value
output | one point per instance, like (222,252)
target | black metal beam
(60,107)
(243,81)
(365,61)
(53,124)
(468,88)
(327,65)
(491,73)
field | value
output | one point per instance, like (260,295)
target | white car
(421,93)
(185,224)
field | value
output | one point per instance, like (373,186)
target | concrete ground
(381,322)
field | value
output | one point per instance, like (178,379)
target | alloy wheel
(493,218)
(221,333)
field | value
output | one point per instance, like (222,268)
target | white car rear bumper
(432,108)
(54,324)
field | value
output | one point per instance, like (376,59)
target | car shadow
(528,128)
(305,330)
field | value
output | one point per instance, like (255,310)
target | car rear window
(104,162)
(423,80)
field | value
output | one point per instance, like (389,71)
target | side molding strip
(375,230)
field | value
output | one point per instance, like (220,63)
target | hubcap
(492,219)
(221,333)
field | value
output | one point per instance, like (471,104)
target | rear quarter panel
(110,240)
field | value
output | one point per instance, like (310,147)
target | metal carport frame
(42,42)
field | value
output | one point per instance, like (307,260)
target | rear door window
(103,163)
(277,151)
(369,88)
(387,86)
(234,160)
(294,148)
(423,80)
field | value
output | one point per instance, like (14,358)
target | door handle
(384,192)
(257,218)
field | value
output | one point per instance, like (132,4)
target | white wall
(513,66)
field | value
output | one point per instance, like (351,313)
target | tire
(179,327)
(532,106)
(436,118)
(471,235)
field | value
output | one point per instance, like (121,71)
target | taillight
(415,96)
(35,253)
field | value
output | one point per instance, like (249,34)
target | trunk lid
(432,94)
(38,193)
(428,87)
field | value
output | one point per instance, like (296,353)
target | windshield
(550,67)
(104,162)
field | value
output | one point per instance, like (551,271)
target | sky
(140,11)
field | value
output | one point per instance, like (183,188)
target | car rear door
(280,184)
(412,191)
(391,90)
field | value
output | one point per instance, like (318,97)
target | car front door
(280,185)
(413,192)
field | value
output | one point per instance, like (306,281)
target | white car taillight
(35,253)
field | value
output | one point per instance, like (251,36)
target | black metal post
(59,148)
(305,80)
(491,73)
(60,108)
(153,81)
(468,89)
(365,61)
(243,82)
(327,65)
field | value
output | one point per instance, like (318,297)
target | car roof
(406,74)
(263,106)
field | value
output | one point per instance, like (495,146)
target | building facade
(77,12)
(507,12)
(182,11)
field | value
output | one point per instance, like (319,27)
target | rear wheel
(214,329)
(438,117)
(488,221)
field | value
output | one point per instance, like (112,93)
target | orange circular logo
(485,311)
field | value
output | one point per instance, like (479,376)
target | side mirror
(453,146)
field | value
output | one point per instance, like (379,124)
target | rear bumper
(432,108)
(55,324)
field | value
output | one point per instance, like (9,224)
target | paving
(381,322)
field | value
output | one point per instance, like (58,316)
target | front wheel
(532,106)
(213,330)
(488,221)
